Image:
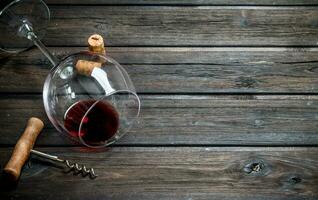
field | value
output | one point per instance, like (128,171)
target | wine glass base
(14,16)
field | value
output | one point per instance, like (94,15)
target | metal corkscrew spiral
(80,169)
(73,167)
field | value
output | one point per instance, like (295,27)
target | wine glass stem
(26,30)
(44,50)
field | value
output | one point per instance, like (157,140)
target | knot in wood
(254,167)
(295,180)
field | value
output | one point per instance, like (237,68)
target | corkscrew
(23,149)
(72,167)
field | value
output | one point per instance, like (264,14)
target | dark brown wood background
(228,91)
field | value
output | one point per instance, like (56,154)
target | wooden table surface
(229,93)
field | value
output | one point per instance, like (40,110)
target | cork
(86,67)
(96,44)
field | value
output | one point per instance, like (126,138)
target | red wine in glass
(99,124)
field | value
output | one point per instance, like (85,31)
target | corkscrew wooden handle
(22,149)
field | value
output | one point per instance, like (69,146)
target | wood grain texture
(185,2)
(184,25)
(175,173)
(190,120)
(185,70)
(219,49)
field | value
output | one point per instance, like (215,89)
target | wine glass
(88,97)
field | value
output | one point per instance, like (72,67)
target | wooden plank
(185,2)
(185,70)
(191,120)
(175,173)
(184,25)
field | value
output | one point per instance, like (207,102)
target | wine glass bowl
(93,108)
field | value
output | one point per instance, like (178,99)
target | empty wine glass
(88,97)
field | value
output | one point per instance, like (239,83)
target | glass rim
(116,136)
